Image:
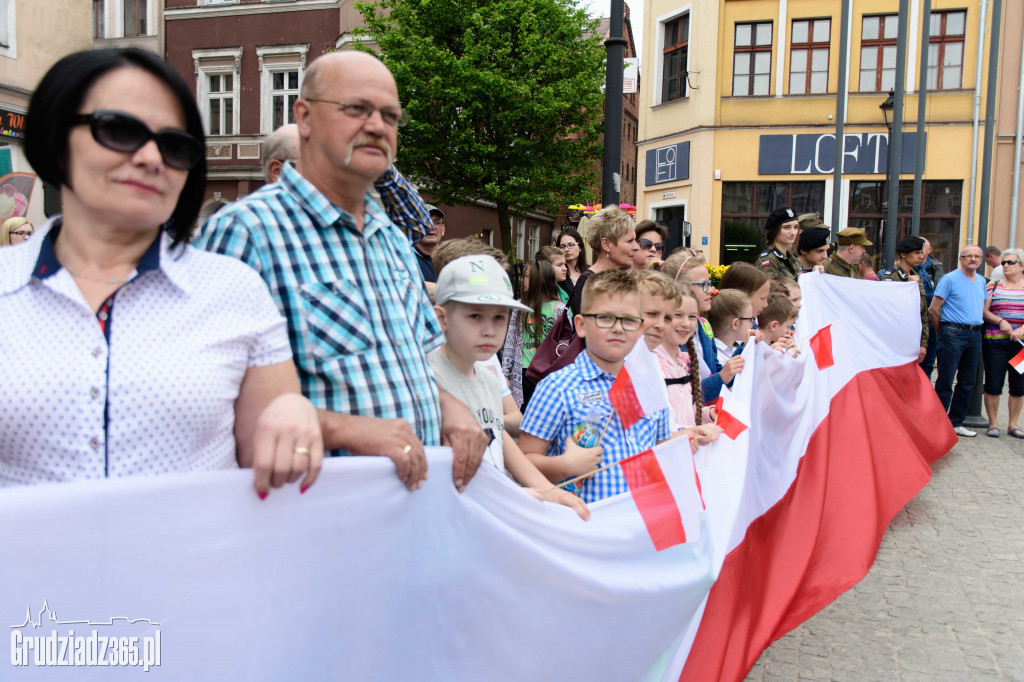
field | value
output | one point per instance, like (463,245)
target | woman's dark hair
(743,276)
(56,102)
(543,289)
(581,263)
(651,226)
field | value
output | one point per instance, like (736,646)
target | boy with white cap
(473,298)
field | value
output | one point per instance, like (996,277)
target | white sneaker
(964,431)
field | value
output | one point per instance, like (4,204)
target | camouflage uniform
(775,263)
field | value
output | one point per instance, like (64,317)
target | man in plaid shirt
(345,278)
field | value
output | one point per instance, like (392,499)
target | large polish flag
(361,579)
(840,439)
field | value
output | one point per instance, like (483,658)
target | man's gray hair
(283,145)
(963,251)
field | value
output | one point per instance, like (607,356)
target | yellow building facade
(737,118)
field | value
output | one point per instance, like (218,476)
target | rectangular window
(946,50)
(5,29)
(675,59)
(878,53)
(99,24)
(220,104)
(520,231)
(808,56)
(135,18)
(284,90)
(940,214)
(745,208)
(752,59)
(533,243)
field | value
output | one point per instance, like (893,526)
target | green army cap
(811,220)
(853,235)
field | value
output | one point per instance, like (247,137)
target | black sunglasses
(124,133)
(1010,262)
(647,243)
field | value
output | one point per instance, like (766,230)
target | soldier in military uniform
(845,261)
(780,234)
(910,254)
(812,249)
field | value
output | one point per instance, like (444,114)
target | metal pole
(616,47)
(974,417)
(896,139)
(978,59)
(844,78)
(922,109)
(990,122)
(1018,141)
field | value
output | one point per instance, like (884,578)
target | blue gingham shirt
(359,318)
(577,394)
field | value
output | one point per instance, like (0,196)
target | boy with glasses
(572,404)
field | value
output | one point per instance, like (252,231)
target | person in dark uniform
(910,254)
(812,249)
(845,261)
(780,234)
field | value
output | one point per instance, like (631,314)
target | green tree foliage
(505,98)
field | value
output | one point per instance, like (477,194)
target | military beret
(908,244)
(853,235)
(813,238)
(778,217)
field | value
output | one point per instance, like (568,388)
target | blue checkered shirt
(577,394)
(360,321)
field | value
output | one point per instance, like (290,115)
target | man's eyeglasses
(647,244)
(1005,262)
(126,134)
(705,286)
(566,247)
(972,257)
(391,116)
(605,321)
(27,234)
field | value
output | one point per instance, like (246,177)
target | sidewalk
(944,599)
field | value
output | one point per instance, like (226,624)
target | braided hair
(691,349)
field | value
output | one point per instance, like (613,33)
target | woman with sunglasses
(651,238)
(571,243)
(125,351)
(1004,330)
(15,231)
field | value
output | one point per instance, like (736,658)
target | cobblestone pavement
(945,597)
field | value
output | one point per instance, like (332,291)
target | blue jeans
(958,353)
(928,364)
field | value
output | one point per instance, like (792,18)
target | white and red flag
(1017,361)
(639,387)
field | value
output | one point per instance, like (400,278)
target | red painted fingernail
(263,495)
(303,489)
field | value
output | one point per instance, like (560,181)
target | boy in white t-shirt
(473,297)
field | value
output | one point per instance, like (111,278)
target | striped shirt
(1007,304)
(578,395)
(359,318)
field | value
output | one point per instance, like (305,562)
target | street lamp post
(887,107)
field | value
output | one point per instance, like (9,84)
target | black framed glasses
(566,247)
(22,233)
(751,320)
(705,286)
(392,116)
(647,244)
(606,321)
(124,133)
(1005,262)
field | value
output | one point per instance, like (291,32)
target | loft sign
(814,154)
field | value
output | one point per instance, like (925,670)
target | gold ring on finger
(406,449)
(301,451)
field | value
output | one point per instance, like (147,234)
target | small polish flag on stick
(731,425)
(821,346)
(666,491)
(1017,361)
(637,390)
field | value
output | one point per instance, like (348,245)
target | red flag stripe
(821,346)
(624,399)
(1017,361)
(654,499)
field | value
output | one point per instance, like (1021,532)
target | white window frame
(204,71)
(9,50)
(297,62)
(659,48)
(520,228)
(533,241)
(113,16)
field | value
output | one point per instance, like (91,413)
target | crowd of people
(325,314)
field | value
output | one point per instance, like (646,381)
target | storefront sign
(12,124)
(815,154)
(668,164)
(668,195)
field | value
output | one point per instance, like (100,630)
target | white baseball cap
(478,280)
